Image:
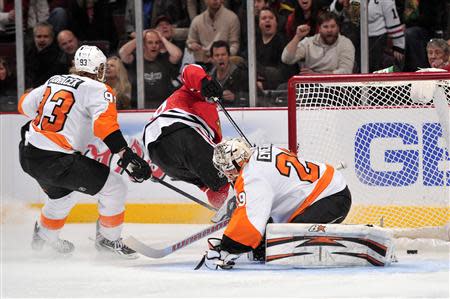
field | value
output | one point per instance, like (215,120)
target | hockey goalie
(303,200)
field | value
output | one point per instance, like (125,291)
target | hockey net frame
(303,113)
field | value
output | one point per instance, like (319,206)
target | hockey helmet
(91,59)
(230,156)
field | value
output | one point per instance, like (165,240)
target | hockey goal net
(391,131)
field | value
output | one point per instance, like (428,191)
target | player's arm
(246,228)
(29,102)
(106,127)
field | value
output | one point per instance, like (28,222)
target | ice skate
(60,246)
(118,247)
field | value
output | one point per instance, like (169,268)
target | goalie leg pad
(328,245)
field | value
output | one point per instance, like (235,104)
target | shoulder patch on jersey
(264,153)
(66,81)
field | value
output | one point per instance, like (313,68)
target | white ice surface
(88,274)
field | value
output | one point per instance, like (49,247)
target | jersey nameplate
(66,81)
(264,153)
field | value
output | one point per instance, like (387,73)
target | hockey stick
(155,179)
(217,100)
(157,253)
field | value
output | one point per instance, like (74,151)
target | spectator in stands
(160,69)
(438,53)
(233,78)
(40,11)
(176,10)
(7,15)
(8,87)
(423,21)
(117,78)
(7,19)
(43,59)
(326,52)
(269,46)
(195,7)
(163,24)
(305,12)
(69,44)
(216,23)
(260,4)
(92,20)
(383,22)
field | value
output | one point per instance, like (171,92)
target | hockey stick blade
(149,251)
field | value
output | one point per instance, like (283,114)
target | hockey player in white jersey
(272,183)
(67,112)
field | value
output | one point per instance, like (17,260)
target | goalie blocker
(328,245)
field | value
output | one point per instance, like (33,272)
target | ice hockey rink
(25,274)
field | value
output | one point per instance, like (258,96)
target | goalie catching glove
(135,166)
(216,258)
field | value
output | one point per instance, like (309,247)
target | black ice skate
(117,246)
(60,246)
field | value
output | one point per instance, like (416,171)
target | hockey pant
(60,174)
(185,155)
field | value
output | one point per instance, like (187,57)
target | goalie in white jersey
(67,112)
(273,183)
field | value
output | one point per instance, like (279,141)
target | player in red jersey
(181,135)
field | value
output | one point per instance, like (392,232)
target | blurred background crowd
(292,37)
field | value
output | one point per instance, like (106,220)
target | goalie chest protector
(328,245)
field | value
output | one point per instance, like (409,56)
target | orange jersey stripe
(106,123)
(59,139)
(240,229)
(19,105)
(321,185)
(112,221)
(52,224)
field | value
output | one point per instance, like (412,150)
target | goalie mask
(91,59)
(230,156)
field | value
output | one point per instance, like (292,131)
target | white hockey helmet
(230,156)
(91,59)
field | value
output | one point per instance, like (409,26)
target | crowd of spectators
(292,37)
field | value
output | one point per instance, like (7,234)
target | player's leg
(330,209)
(45,167)
(215,185)
(185,155)
(111,216)
(53,217)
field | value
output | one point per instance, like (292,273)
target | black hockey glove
(135,166)
(211,89)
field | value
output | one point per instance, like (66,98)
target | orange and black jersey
(68,111)
(276,184)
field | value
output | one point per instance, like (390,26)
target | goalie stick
(157,253)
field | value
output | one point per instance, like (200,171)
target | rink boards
(151,202)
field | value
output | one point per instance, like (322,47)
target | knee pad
(113,195)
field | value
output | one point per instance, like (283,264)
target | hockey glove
(216,258)
(135,166)
(225,211)
(211,89)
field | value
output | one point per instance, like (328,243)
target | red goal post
(392,132)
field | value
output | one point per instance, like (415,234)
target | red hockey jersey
(187,105)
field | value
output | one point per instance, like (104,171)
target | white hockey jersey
(68,111)
(276,183)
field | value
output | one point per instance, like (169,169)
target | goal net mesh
(392,134)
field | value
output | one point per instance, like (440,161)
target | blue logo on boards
(431,153)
